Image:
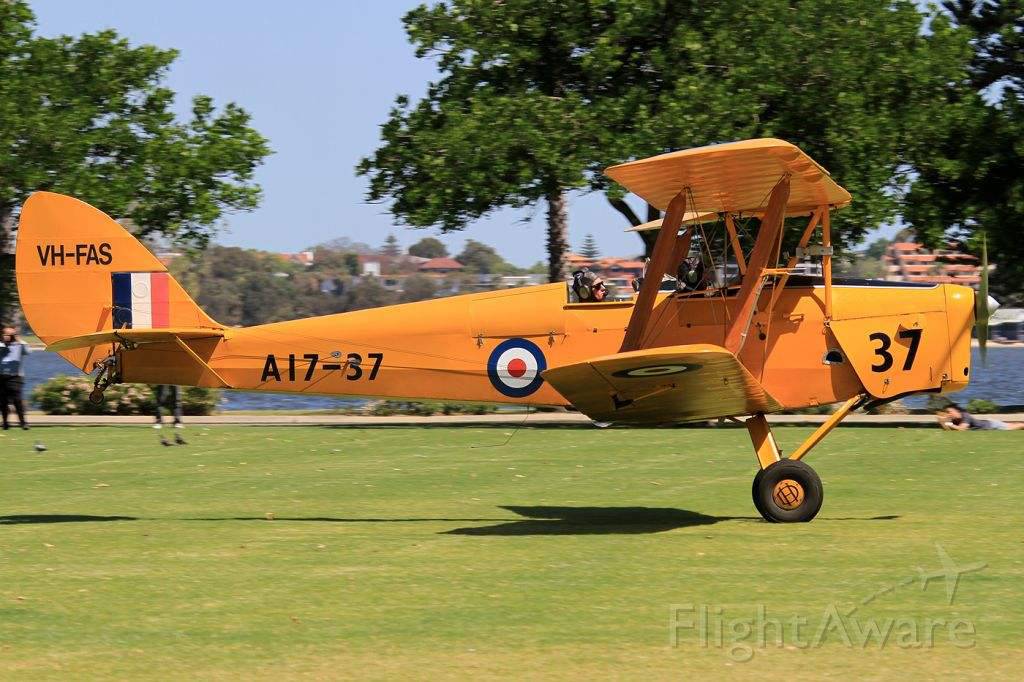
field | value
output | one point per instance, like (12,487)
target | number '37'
(885,358)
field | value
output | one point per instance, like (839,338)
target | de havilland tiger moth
(717,328)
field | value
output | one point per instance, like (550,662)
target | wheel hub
(788,494)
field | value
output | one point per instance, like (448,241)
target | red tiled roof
(441,264)
(629,264)
(905,246)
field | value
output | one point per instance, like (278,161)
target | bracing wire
(510,436)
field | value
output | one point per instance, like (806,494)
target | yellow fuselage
(440,349)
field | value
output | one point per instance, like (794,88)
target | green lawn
(445,553)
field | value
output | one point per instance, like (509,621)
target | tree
(877,248)
(536,99)
(969,175)
(418,288)
(854,94)
(428,247)
(481,258)
(367,293)
(391,247)
(505,125)
(89,116)
(240,286)
(589,247)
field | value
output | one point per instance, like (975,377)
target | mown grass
(448,552)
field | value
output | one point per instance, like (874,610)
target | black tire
(788,491)
(754,492)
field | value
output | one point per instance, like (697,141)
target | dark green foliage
(981,406)
(418,288)
(240,286)
(971,176)
(70,395)
(391,247)
(386,408)
(481,258)
(589,247)
(535,99)
(428,247)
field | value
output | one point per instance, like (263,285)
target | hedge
(70,395)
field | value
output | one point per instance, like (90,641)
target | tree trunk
(647,237)
(650,237)
(558,236)
(8,303)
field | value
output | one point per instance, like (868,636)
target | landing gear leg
(786,490)
(107,376)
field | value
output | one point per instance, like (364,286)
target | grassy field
(270,553)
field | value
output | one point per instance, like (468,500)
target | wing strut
(664,249)
(758,266)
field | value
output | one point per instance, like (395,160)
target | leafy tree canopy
(535,99)
(481,258)
(970,174)
(428,247)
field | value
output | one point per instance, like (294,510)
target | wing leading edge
(662,385)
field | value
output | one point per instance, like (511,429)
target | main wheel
(788,491)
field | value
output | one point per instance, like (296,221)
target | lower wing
(662,385)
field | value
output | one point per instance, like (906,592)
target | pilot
(588,287)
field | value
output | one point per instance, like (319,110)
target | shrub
(386,408)
(895,407)
(937,403)
(70,395)
(980,406)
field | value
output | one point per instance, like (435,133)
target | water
(1002,382)
(40,366)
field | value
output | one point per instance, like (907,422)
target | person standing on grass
(164,394)
(12,375)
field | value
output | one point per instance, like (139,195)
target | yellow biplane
(743,329)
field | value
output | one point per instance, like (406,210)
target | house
(301,258)
(441,266)
(912,262)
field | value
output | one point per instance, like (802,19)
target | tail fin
(79,273)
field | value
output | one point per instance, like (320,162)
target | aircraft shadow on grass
(610,521)
(537,520)
(543,520)
(59,518)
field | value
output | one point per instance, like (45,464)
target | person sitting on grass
(955,418)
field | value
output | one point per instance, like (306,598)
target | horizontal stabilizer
(662,385)
(136,336)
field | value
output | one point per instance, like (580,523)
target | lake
(1001,382)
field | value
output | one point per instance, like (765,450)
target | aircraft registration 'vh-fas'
(734,318)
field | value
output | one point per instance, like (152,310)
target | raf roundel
(514,368)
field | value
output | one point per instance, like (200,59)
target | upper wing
(133,336)
(660,385)
(736,177)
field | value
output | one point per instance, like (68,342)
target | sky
(319,79)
